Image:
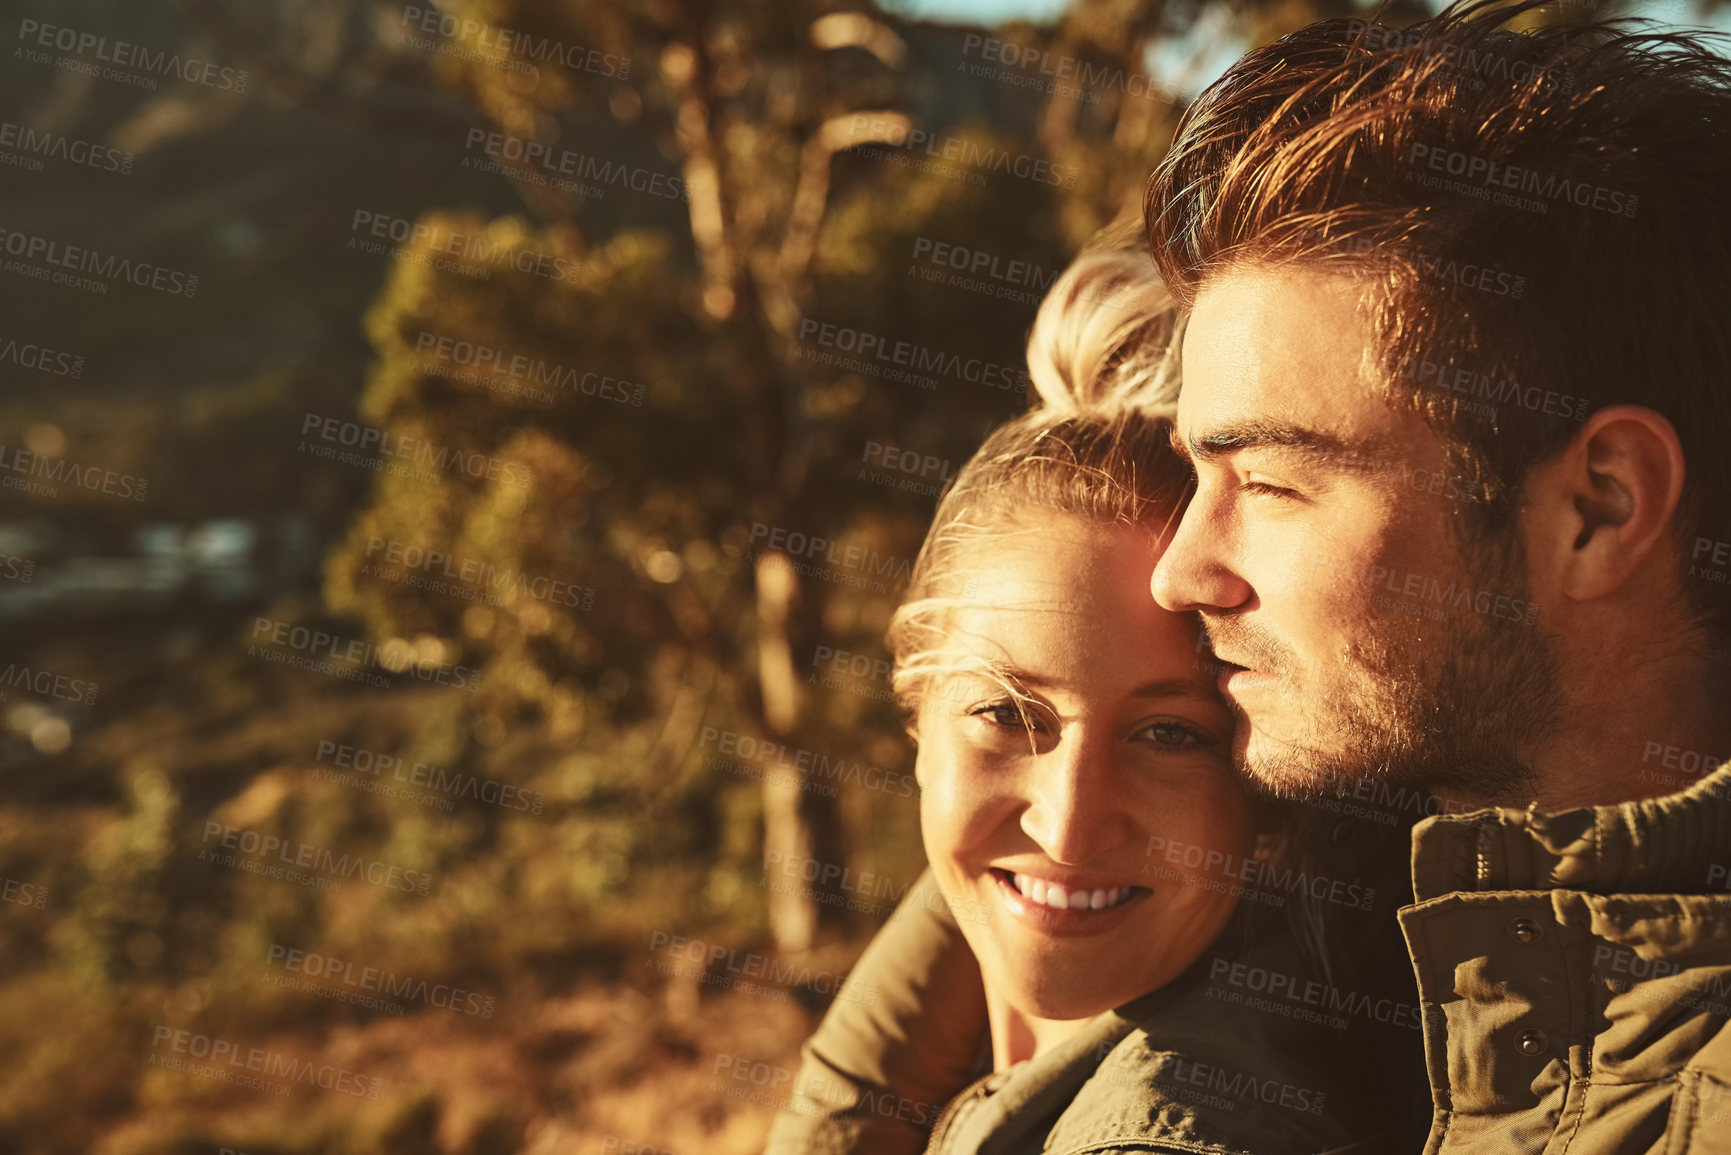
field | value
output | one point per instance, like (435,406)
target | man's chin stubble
(1415,748)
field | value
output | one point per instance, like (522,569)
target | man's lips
(1234,678)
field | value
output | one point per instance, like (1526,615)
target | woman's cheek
(956,803)
(940,817)
(1203,835)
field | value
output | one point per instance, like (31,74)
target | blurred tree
(666,498)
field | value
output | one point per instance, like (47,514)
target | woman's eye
(1005,714)
(1175,734)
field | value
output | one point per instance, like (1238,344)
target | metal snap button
(1525,930)
(1532,1041)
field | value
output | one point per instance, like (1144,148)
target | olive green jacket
(1573,976)
(1182,1069)
(1173,1071)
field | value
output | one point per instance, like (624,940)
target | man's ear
(1599,508)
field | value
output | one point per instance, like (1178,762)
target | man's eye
(1262,488)
(1176,735)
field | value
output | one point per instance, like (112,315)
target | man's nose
(1074,811)
(1192,573)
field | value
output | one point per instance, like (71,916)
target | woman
(1078,807)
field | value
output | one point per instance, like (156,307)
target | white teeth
(1052,895)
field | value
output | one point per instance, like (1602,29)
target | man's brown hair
(1542,218)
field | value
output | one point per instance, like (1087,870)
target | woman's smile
(1064,911)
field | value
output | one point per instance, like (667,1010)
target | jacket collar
(1667,844)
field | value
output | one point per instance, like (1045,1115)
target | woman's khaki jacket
(1183,1069)
(1174,1071)
(1573,975)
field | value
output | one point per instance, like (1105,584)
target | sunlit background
(455,484)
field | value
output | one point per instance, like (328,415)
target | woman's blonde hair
(1102,358)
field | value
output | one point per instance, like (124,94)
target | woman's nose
(1072,811)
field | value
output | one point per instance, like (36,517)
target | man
(1456,381)
(1457,378)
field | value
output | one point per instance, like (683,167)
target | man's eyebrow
(1312,443)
